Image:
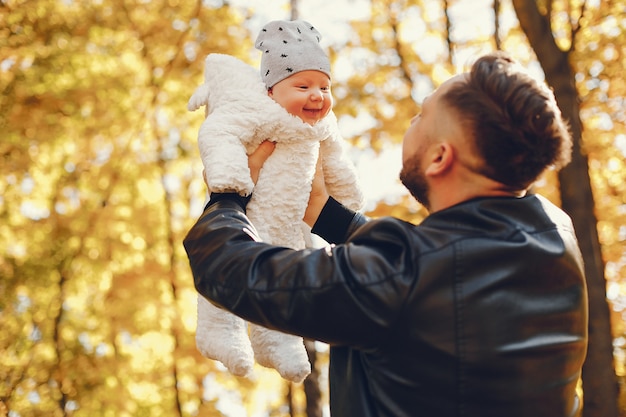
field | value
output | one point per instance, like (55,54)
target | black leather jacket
(480,311)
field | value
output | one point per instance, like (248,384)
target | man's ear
(441,157)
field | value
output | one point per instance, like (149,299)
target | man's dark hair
(514,120)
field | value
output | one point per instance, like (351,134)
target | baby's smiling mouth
(313,112)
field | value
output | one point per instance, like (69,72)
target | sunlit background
(100,179)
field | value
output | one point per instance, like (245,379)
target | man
(479,311)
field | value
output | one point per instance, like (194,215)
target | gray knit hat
(289,47)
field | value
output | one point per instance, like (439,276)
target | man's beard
(414,180)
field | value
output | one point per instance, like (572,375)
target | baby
(291,105)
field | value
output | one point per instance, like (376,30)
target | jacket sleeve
(344,294)
(336,222)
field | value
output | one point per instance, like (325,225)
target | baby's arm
(224,155)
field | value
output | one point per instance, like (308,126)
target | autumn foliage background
(100,179)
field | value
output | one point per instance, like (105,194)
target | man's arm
(327,217)
(336,223)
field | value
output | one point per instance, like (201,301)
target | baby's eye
(326,88)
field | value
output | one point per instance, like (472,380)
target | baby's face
(305,94)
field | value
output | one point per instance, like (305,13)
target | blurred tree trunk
(496,21)
(449,41)
(294,9)
(312,384)
(599,380)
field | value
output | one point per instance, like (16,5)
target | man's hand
(319,196)
(257,158)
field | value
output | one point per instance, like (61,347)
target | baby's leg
(222,336)
(284,352)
